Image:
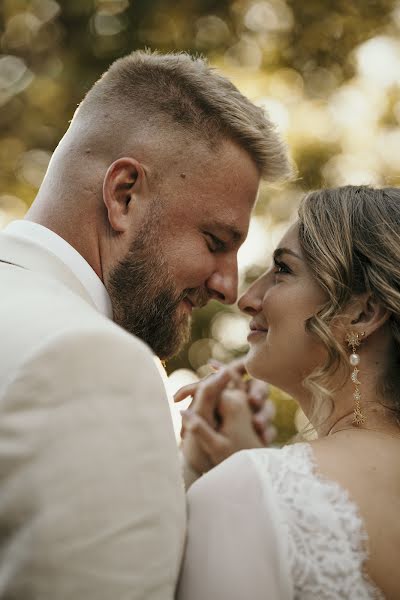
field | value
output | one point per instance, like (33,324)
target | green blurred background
(327,71)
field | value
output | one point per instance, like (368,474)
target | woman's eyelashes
(281,268)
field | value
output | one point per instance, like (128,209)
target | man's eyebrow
(279,251)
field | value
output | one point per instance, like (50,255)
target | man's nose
(223,283)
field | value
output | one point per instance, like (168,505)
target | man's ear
(122,181)
(367,314)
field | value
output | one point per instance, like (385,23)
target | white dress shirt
(45,238)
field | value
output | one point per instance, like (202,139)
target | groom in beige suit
(145,203)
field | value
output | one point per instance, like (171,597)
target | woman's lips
(256,333)
(255,326)
(256,330)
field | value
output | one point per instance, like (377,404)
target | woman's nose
(251,301)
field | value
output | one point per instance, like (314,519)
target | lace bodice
(326,538)
(263,525)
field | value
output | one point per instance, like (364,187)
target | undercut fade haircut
(183,91)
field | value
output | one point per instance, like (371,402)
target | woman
(318,520)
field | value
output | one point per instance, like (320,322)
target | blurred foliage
(284,421)
(328,73)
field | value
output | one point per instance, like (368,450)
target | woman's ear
(367,314)
(122,181)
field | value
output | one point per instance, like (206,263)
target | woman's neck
(378,418)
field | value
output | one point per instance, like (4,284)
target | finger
(236,379)
(208,394)
(185,391)
(265,415)
(270,409)
(271,434)
(216,364)
(258,393)
(182,432)
(262,421)
(261,433)
(237,367)
(233,403)
(258,388)
(256,402)
(236,383)
(266,433)
(210,441)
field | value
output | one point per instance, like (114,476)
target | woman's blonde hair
(350,238)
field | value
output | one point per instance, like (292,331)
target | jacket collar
(27,255)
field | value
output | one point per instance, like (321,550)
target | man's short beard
(144,300)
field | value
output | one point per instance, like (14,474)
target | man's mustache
(199,297)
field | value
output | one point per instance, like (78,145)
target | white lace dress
(264,526)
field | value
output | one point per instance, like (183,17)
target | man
(139,219)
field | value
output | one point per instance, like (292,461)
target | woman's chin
(255,366)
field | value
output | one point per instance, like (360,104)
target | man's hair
(183,91)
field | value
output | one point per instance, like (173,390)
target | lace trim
(327,539)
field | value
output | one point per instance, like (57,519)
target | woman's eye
(281,268)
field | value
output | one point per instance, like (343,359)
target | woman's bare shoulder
(368,468)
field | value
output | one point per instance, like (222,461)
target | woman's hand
(227,414)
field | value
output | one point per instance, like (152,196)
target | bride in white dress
(317,520)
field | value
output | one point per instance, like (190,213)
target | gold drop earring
(353,340)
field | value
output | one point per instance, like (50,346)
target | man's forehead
(231,215)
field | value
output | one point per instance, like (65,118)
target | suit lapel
(23,253)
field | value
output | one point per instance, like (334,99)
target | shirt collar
(45,238)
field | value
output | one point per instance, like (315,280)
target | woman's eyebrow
(279,251)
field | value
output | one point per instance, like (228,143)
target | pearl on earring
(354,360)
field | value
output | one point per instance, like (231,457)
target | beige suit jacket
(91,497)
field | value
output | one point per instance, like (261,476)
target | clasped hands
(229,412)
